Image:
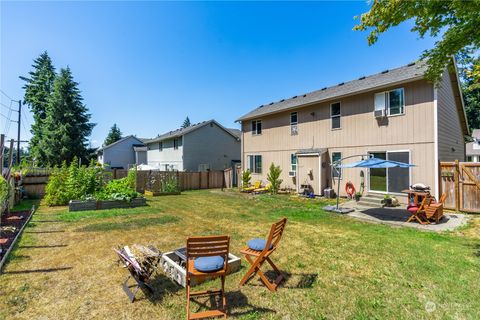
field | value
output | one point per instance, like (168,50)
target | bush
(4,192)
(246,177)
(81,183)
(274,178)
(170,184)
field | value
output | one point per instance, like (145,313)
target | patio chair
(418,212)
(265,189)
(140,273)
(261,250)
(434,211)
(207,257)
(256,185)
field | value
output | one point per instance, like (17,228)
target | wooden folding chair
(418,213)
(211,246)
(259,257)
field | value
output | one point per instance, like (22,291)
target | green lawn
(337,267)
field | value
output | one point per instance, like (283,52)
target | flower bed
(12,225)
(79,205)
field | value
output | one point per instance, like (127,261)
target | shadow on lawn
(237,299)
(39,270)
(292,280)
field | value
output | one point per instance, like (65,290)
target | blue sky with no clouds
(148,65)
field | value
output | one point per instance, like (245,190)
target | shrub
(170,184)
(4,192)
(120,189)
(56,191)
(246,177)
(274,178)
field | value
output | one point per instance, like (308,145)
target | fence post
(457,186)
(208,179)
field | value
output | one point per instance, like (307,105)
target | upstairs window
(175,143)
(255,163)
(256,127)
(294,123)
(392,102)
(160,146)
(335,115)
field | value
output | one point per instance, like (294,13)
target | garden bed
(160,193)
(79,205)
(17,220)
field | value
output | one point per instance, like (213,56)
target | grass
(337,267)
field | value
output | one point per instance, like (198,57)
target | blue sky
(148,65)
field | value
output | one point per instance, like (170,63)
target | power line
(3,104)
(6,95)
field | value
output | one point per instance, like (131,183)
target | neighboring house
(200,147)
(473,148)
(123,153)
(395,114)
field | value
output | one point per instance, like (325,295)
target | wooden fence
(461,182)
(186,180)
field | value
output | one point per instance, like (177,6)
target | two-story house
(123,154)
(473,148)
(395,114)
(200,147)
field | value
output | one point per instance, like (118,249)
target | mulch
(15,219)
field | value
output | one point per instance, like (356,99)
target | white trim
(435,141)
(386,171)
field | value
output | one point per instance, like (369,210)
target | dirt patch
(11,225)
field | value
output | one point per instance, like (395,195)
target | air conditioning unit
(292,173)
(379,113)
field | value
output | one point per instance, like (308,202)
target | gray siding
(451,144)
(209,145)
(168,156)
(121,154)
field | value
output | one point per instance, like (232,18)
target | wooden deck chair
(434,210)
(262,255)
(203,253)
(256,185)
(140,274)
(418,213)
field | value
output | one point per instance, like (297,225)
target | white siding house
(202,146)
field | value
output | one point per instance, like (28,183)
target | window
(175,143)
(293,162)
(469,159)
(255,163)
(336,172)
(256,127)
(391,179)
(160,146)
(391,101)
(335,114)
(293,123)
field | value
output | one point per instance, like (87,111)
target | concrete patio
(399,215)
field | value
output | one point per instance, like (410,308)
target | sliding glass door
(392,180)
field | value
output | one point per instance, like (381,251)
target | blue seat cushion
(258,244)
(208,264)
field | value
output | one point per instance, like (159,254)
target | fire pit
(174,263)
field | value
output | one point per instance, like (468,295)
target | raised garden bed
(12,226)
(79,205)
(159,193)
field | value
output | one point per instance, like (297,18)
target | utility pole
(18,132)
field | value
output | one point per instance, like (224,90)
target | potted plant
(387,200)
(358,195)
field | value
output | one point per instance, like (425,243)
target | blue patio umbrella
(375,163)
(370,163)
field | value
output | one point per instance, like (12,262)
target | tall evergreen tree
(186,123)
(66,126)
(38,88)
(113,136)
